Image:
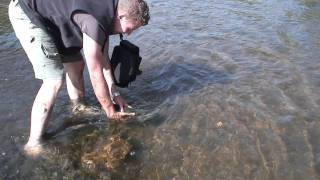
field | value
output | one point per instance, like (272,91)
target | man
(52,33)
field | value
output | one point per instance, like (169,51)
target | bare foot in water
(82,108)
(33,149)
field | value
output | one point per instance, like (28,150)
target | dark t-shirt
(53,16)
(90,26)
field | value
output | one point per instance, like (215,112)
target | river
(229,90)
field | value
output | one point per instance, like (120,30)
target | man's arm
(96,62)
(108,75)
(108,72)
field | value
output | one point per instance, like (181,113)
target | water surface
(229,90)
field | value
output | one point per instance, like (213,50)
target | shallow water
(229,90)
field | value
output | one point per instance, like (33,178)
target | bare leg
(75,87)
(74,79)
(40,115)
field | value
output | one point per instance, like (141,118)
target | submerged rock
(109,156)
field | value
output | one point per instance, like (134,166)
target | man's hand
(121,102)
(117,116)
(116,97)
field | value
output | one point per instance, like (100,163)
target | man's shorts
(39,46)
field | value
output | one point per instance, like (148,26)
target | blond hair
(137,10)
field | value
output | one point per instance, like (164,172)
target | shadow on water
(159,86)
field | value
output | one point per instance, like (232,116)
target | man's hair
(137,10)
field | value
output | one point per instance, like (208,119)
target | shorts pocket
(49,53)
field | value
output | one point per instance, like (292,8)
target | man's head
(131,14)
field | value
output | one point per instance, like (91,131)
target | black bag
(125,63)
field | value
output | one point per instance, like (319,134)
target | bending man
(52,33)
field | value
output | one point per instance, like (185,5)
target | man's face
(125,25)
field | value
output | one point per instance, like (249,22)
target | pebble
(3,154)
(132,153)
(219,124)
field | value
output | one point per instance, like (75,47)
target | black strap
(121,36)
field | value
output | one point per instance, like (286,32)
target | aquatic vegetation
(110,156)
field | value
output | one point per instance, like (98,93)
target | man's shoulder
(91,27)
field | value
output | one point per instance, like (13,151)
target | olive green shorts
(39,46)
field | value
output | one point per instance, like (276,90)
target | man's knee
(53,84)
(74,69)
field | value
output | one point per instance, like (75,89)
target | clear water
(230,90)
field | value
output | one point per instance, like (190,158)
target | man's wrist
(109,110)
(114,94)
